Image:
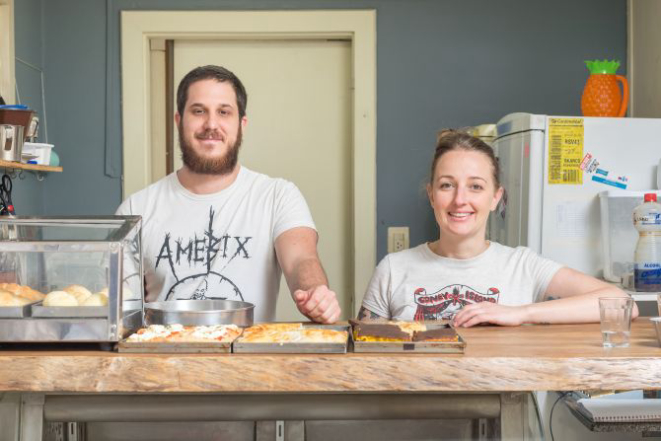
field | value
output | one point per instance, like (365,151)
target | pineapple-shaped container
(601,96)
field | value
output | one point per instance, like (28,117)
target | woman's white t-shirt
(417,284)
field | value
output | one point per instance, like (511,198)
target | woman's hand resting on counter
(493,313)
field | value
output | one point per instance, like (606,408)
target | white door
(299,128)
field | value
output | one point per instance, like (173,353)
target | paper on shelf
(627,407)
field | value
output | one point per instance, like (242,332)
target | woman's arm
(377,296)
(572,297)
(366,314)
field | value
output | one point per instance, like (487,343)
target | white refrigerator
(553,169)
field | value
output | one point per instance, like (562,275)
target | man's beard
(210,166)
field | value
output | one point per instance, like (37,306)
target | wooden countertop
(552,357)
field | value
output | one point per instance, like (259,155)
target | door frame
(643,49)
(359,26)
(7,65)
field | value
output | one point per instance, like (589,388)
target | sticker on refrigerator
(592,166)
(589,163)
(620,182)
(565,138)
(585,161)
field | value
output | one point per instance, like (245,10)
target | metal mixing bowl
(199,312)
(657,325)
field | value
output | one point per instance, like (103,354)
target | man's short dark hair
(217,73)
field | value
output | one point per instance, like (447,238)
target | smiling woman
(463,189)
(462,276)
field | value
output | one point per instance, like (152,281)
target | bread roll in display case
(74,279)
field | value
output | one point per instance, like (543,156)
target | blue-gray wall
(28,193)
(441,63)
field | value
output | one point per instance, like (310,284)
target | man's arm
(296,250)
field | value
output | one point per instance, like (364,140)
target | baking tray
(16,311)
(293,347)
(175,347)
(442,347)
(38,310)
(199,313)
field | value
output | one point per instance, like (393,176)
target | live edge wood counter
(526,358)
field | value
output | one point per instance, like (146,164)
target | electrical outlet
(398,239)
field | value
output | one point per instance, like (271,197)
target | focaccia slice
(186,334)
(292,333)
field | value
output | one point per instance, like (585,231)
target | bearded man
(217,230)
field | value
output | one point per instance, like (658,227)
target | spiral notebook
(622,409)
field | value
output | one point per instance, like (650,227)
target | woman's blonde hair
(451,139)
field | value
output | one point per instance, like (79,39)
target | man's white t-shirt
(417,284)
(217,246)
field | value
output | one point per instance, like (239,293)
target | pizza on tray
(292,333)
(185,334)
(399,331)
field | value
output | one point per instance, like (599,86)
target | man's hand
(297,254)
(319,304)
(487,312)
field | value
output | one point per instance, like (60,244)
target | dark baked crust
(378,331)
(441,334)
(390,331)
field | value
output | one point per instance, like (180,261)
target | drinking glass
(615,313)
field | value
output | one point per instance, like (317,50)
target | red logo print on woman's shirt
(447,301)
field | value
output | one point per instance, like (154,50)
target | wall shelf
(39,170)
(31,167)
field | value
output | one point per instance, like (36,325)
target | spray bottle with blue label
(647,257)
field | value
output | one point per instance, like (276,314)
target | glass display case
(74,279)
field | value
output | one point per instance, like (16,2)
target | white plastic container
(647,258)
(618,234)
(40,150)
